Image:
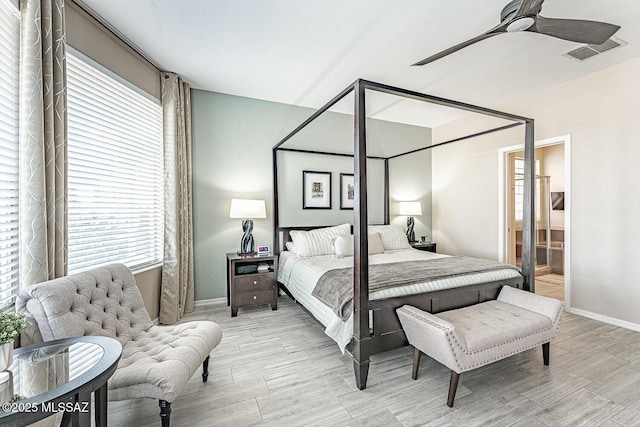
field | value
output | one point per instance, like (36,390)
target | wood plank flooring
(550,285)
(278,368)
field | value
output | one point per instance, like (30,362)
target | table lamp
(410,209)
(247,210)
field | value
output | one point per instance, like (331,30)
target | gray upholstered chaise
(471,337)
(156,362)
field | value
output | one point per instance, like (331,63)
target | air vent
(587,51)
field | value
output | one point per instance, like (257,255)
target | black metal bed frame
(385,334)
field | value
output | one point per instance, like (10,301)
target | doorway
(552,185)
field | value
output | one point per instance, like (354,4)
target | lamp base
(246,243)
(411,236)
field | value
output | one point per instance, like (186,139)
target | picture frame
(316,190)
(347,191)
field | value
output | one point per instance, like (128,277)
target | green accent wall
(232,158)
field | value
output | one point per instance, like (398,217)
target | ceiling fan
(523,15)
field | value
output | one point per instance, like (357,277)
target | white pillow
(291,247)
(317,242)
(375,244)
(344,245)
(392,236)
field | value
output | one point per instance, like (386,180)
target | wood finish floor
(550,285)
(277,368)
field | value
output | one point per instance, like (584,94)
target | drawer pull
(255,297)
(255,282)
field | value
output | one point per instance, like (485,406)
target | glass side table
(59,376)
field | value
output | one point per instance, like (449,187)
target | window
(115,169)
(9,214)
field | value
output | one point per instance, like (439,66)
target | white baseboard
(208,302)
(606,319)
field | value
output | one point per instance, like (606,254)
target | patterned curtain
(177,270)
(43,159)
(43,142)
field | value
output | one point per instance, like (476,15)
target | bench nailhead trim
(456,346)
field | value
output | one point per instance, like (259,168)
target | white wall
(410,181)
(465,191)
(600,112)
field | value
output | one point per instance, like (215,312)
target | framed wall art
(316,190)
(347,191)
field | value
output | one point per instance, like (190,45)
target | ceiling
(303,52)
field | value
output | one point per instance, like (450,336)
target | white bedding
(300,275)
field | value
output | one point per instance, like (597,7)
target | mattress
(300,275)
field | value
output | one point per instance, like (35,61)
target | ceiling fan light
(520,24)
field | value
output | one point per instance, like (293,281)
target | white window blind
(115,170)
(9,208)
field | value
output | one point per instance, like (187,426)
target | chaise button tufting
(142,341)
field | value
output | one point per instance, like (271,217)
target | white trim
(606,319)
(502,201)
(145,269)
(209,302)
(502,187)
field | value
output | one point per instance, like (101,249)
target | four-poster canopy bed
(375,325)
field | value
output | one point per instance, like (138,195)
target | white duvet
(300,275)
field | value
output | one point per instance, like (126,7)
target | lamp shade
(410,208)
(244,208)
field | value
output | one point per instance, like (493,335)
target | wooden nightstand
(246,285)
(427,246)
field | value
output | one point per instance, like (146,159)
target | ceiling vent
(589,50)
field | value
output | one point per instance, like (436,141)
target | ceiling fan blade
(499,29)
(575,30)
(528,8)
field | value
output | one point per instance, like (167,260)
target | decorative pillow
(344,245)
(392,236)
(319,241)
(291,247)
(375,244)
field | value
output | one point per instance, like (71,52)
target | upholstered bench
(156,362)
(471,337)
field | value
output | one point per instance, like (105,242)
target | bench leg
(545,353)
(205,369)
(165,413)
(416,363)
(453,386)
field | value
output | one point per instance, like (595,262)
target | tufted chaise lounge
(471,337)
(156,362)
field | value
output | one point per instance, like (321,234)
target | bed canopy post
(361,336)
(276,210)
(387,217)
(528,216)
(365,340)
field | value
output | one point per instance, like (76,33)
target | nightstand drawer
(252,282)
(257,297)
